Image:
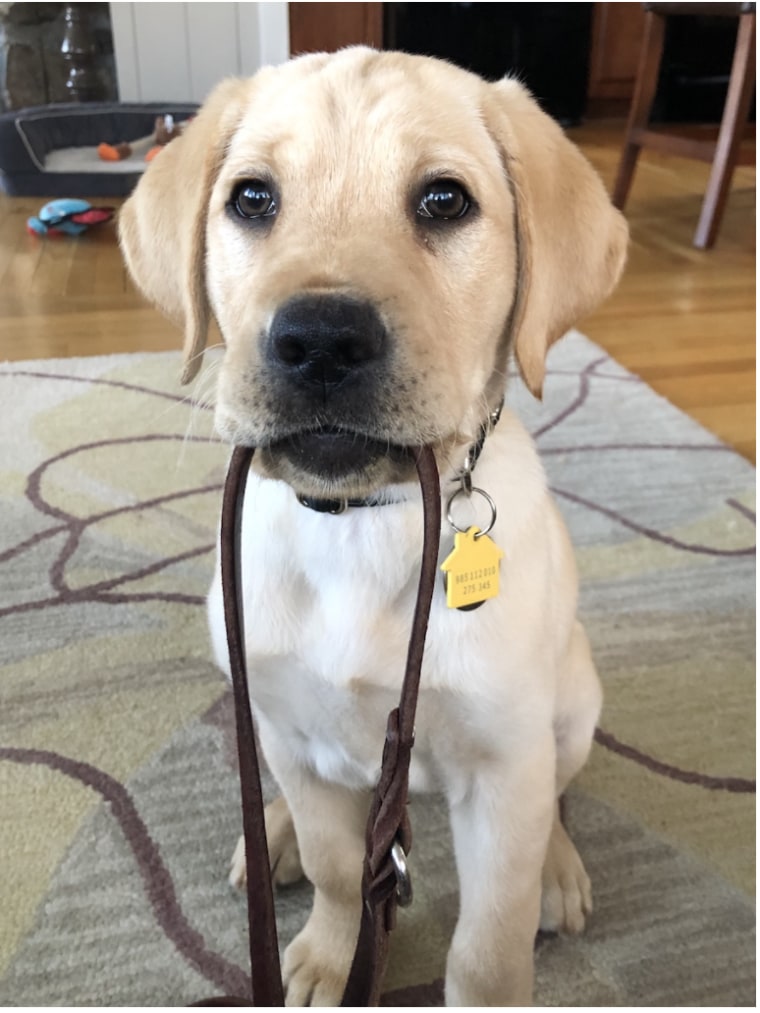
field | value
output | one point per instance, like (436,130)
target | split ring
(463,492)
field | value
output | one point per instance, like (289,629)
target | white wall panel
(274,32)
(178,51)
(213,49)
(125,50)
(249,37)
(163,58)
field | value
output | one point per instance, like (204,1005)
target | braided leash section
(388,822)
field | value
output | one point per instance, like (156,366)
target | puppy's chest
(326,679)
(337,726)
(327,654)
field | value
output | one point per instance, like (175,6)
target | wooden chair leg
(641,106)
(732,126)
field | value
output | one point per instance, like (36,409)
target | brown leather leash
(388,828)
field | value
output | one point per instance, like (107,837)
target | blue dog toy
(69,216)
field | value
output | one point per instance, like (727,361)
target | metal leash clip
(404,893)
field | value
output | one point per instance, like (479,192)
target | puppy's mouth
(333,454)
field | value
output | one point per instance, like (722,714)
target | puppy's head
(372,232)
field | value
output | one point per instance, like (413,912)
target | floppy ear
(571,241)
(162,227)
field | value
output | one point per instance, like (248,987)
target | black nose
(324,340)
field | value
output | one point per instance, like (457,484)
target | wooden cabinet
(617,33)
(316,27)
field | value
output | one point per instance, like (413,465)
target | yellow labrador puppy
(374,233)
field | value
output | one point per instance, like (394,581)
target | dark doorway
(545,45)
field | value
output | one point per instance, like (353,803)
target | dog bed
(51,151)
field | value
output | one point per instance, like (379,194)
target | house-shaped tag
(471,569)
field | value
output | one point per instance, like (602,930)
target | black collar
(339,506)
(463,476)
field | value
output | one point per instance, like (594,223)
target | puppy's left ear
(571,241)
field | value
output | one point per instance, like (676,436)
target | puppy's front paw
(565,886)
(284,857)
(315,968)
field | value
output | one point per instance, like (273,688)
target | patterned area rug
(118,796)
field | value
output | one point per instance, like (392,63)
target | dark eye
(444,198)
(253,199)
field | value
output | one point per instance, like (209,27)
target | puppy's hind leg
(282,844)
(566,888)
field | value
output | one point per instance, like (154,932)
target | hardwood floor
(682,319)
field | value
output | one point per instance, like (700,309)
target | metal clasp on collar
(495,415)
(464,475)
(324,506)
(404,893)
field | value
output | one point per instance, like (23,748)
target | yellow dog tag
(471,570)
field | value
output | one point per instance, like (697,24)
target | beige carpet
(118,798)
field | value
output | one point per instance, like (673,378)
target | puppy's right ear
(162,227)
